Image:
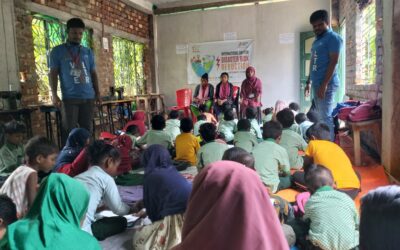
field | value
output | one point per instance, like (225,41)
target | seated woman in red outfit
(250,93)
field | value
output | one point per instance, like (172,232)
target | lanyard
(75,58)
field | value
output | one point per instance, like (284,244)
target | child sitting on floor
(313,116)
(243,137)
(294,107)
(12,152)
(251,115)
(156,135)
(98,179)
(268,113)
(72,159)
(304,124)
(209,117)
(272,160)
(187,144)
(324,152)
(201,119)
(380,218)
(133,132)
(333,215)
(211,151)
(173,124)
(227,127)
(239,155)
(8,213)
(21,185)
(291,141)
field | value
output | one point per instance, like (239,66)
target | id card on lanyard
(76,67)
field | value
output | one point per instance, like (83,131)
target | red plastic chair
(183,101)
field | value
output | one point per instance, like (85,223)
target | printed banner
(214,58)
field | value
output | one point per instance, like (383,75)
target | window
(47,33)
(129,66)
(368,44)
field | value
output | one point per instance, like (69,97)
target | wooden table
(17,114)
(357,127)
(47,109)
(151,103)
(109,105)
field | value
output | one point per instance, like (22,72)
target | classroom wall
(277,65)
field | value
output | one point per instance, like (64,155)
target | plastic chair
(183,101)
(236,96)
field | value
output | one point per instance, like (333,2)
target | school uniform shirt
(304,126)
(172,127)
(293,143)
(295,127)
(334,220)
(11,156)
(267,118)
(330,155)
(270,160)
(156,137)
(102,188)
(187,146)
(15,188)
(246,140)
(134,140)
(209,153)
(196,127)
(228,128)
(255,128)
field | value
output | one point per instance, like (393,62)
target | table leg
(129,111)
(357,146)
(121,114)
(58,124)
(110,118)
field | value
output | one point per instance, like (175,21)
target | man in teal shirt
(323,76)
(74,65)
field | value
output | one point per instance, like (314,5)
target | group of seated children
(241,165)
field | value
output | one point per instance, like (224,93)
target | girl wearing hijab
(54,219)
(223,95)
(72,159)
(165,196)
(203,94)
(250,93)
(229,208)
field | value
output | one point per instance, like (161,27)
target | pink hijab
(229,208)
(279,105)
(251,86)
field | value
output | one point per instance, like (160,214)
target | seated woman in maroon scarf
(203,94)
(223,95)
(250,93)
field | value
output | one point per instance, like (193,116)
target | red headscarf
(229,208)
(124,145)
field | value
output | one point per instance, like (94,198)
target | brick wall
(115,14)
(348,11)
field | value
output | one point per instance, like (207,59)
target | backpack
(366,111)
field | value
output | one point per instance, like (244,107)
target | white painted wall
(277,65)
(8,54)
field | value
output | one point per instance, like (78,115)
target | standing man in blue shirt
(323,78)
(74,65)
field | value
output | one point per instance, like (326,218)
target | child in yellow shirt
(186,143)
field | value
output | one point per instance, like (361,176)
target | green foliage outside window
(129,66)
(368,21)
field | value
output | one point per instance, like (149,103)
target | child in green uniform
(12,152)
(272,160)
(243,137)
(211,151)
(291,141)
